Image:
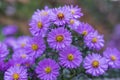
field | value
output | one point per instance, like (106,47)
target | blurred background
(103,15)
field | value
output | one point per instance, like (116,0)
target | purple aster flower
(22,41)
(74,24)
(75,11)
(94,41)
(95,64)
(3,65)
(10,42)
(16,73)
(20,54)
(84,29)
(47,69)
(9,30)
(60,16)
(59,38)
(112,56)
(3,51)
(70,57)
(15,62)
(28,62)
(35,46)
(39,26)
(44,12)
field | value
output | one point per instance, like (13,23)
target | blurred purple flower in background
(21,54)
(115,38)
(3,51)
(9,30)
(10,42)
(22,41)
(112,57)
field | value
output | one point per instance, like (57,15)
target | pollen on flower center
(95,63)
(72,21)
(113,58)
(59,38)
(23,56)
(60,16)
(40,25)
(34,46)
(15,76)
(72,11)
(23,45)
(84,33)
(17,64)
(94,40)
(70,57)
(48,70)
(44,13)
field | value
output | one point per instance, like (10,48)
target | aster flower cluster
(61,48)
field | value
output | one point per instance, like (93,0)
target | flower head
(47,69)
(39,26)
(25,59)
(112,56)
(70,57)
(9,30)
(3,51)
(60,16)
(94,41)
(35,47)
(10,42)
(75,11)
(74,24)
(22,41)
(95,64)
(16,73)
(84,29)
(59,38)
(44,12)
(3,65)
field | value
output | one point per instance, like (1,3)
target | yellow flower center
(72,11)
(95,63)
(34,46)
(17,64)
(40,25)
(72,21)
(48,69)
(84,33)
(23,45)
(70,57)
(15,76)
(44,13)
(60,16)
(113,58)
(23,56)
(94,40)
(59,38)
